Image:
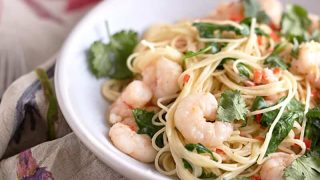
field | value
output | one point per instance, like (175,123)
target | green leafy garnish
(206,30)
(109,60)
(186,164)
(295,22)
(252,8)
(295,49)
(306,167)
(213,48)
(244,70)
(313,128)
(200,149)
(144,121)
(207,175)
(275,61)
(281,130)
(232,107)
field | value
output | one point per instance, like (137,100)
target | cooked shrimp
(308,60)
(229,11)
(138,146)
(162,77)
(136,95)
(273,168)
(190,119)
(273,9)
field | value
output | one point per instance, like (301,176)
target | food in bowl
(229,95)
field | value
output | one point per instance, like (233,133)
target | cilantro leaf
(206,30)
(295,22)
(232,106)
(186,164)
(304,167)
(313,128)
(213,48)
(200,149)
(259,103)
(144,121)
(281,130)
(244,70)
(207,175)
(109,60)
(252,8)
(275,61)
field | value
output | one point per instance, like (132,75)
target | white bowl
(78,91)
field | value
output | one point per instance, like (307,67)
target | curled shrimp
(135,95)
(162,77)
(126,139)
(314,22)
(308,59)
(273,168)
(191,118)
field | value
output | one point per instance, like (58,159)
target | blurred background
(31,31)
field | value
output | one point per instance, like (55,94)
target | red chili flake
(259,40)
(219,151)
(186,78)
(258,118)
(307,142)
(275,36)
(276,70)
(255,178)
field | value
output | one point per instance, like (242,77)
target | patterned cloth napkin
(36,143)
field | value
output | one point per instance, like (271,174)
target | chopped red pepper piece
(307,142)
(259,39)
(276,70)
(236,17)
(258,118)
(186,78)
(255,178)
(275,36)
(219,151)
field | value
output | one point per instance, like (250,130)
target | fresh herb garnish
(295,49)
(275,60)
(212,48)
(200,149)
(295,22)
(144,121)
(305,167)
(207,175)
(313,128)
(244,70)
(232,107)
(252,8)
(281,130)
(109,60)
(186,164)
(206,30)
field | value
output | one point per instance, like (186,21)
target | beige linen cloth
(27,151)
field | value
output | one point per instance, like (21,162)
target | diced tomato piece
(275,36)
(257,76)
(259,39)
(258,118)
(276,70)
(307,142)
(255,178)
(219,151)
(186,78)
